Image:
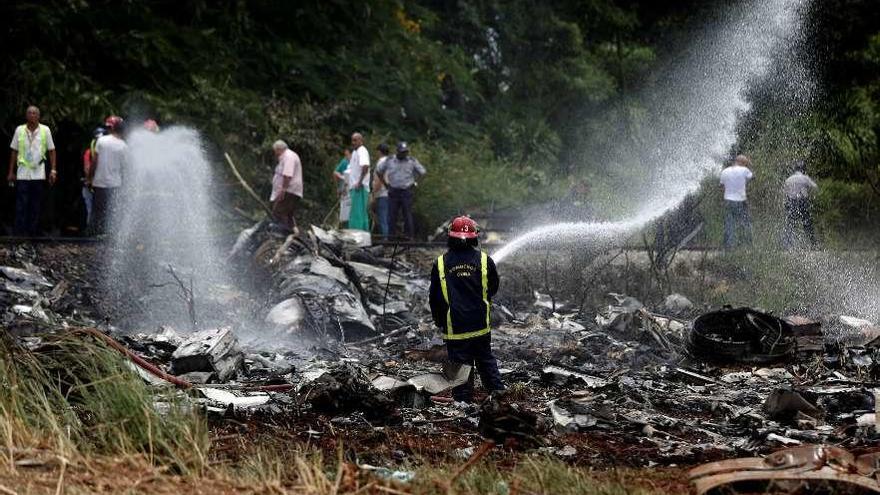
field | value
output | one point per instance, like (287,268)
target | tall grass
(73,397)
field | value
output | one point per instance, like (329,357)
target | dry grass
(75,419)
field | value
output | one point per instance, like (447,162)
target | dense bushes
(521,95)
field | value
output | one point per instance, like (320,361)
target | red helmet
(113,122)
(463,227)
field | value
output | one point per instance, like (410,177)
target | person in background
(463,282)
(105,175)
(31,144)
(380,192)
(287,186)
(341,178)
(400,173)
(88,160)
(737,220)
(151,125)
(359,184)
(798,191)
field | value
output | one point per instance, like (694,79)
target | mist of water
(165,217)
(696,107)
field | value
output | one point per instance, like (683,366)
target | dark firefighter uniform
(463,282)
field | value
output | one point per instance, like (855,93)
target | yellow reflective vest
(23,148)
(470,318)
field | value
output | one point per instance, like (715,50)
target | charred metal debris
(344,341)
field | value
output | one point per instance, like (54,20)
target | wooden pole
(247,186)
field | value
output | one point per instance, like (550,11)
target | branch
(247,186)
(187,295)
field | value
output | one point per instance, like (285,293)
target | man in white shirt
(359,184)
(737,220)
(31,144)
(287,186)
(798,191)
(105,176)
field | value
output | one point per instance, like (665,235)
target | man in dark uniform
(463,282)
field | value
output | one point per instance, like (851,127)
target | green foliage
(537,88)
(848,210)
(470,179)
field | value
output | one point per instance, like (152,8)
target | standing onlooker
(341,177)
(31,144)
(105,175)
(287,185)
(359,184)
(88,160)
(400,173)
(737,220)
(380,192)
(798,190)
(151,125)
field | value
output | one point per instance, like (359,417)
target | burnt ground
(639,407)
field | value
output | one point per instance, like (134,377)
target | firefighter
(463,282)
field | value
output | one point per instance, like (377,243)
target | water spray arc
(700,101)
(164,235)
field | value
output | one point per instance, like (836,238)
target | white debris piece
(237,399)
(589,381)
(288,314)
(214,350)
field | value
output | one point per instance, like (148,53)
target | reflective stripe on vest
(22,149)
(484,276)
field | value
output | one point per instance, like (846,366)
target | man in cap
(105,175)
(400,173)
(31,145)
(463,282)
(798,190)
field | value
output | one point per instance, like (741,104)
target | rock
(215,350)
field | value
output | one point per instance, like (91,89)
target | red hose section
(134,358)
(156,371)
